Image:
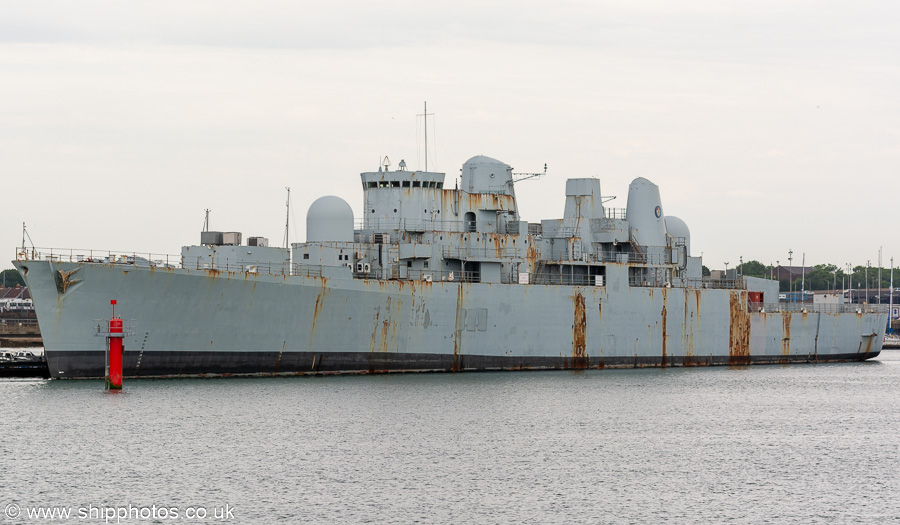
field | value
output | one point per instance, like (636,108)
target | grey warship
(433,278)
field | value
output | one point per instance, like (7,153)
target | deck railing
(819,308)
(77,255)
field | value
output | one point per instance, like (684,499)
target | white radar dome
(678,228)
(329,218)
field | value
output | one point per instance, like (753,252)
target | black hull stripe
(90,364)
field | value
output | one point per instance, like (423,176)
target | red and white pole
(114,343)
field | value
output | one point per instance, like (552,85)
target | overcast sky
(768,125)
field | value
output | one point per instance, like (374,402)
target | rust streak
(786,333)
(664,297)
(579,355)
(456,329)
(739,326)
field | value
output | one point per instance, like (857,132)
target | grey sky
(767,125)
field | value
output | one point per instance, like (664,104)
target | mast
(803,277)
(891,294)
(287,220)
(426,133)
(850,275)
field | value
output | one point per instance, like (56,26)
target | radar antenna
(518,177)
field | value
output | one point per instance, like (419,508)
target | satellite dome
(329,218)
(678,228)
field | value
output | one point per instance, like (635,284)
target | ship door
(470,221)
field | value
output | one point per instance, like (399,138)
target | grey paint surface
(208,312)
(438,279)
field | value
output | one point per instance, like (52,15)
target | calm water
(778,444)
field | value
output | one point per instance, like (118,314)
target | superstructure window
(371,184)
(440,185)
(395,184)
(417,184)
(406,184)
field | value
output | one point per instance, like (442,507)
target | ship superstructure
(433,278)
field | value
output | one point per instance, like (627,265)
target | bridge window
(395,184)
(371,184)
(417,184)
(406,184)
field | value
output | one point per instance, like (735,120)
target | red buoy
(114,339)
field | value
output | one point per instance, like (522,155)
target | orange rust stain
(786,333)
(315,314)
(579,355)
(384,327)
(531,256)
(384,330)
(456,330)
(688,330)
(374,333)
(739,326)
(664,296)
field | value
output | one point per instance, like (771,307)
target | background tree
(753,269)
(12,278)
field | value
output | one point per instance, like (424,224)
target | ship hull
(204,322)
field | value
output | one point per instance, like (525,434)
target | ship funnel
(644,213)
(583,199)
(329,218)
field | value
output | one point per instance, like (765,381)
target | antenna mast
(24,235)
(206,221)
(287,220)
(426,133)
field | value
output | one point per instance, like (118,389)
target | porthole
(395,210)
(373,210)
